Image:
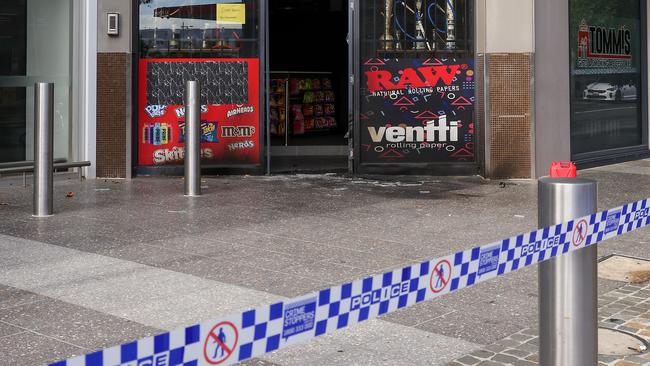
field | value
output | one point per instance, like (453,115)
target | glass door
(35,38)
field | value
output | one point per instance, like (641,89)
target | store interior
(309,68)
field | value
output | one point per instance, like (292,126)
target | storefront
(217,44)
(608,79)
(387,88)
(36,46)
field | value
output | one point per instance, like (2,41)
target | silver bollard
(193,139)
(43,148)
(568,293)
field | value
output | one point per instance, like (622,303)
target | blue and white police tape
(239,337)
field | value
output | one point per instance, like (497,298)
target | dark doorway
(308,55)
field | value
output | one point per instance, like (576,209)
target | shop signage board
(417,110)
(229,110)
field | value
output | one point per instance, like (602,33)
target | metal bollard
(568,294)
(193,139)
(43,148)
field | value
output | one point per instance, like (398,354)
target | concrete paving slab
(120,288)
(74,324)
(9,330)
(29,348)
(399,345)
(10,297)
(476,328)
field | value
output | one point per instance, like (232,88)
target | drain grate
(624,269)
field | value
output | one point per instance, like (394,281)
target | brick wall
(112,105)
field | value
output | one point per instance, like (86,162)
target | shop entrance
(308,96)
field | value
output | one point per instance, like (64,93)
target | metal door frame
(354,102)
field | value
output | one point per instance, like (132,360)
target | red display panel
(230,117)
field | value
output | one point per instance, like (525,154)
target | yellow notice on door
(231,13)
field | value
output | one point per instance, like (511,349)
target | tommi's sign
(600,46)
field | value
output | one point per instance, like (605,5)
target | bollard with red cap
(568,285)
(564,169)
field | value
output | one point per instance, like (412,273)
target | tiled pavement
(626,309)
(122,260)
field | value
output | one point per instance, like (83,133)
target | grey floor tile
(74,324)
(28,349)
(8,330)
(475,329)
(10,297)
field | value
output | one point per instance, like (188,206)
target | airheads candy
(240,110)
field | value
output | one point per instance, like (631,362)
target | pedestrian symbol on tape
(580,233)
(220,343)
(440,276)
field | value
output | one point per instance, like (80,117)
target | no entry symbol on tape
(580,232)
(220,343)
(440,276)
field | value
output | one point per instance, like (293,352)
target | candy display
(278,86)
(327,84)
(315,84)
(311,105)
(298,119)
(308,110)
(293,87)
(329,109)
(309,97)
(277,100)
(317,110)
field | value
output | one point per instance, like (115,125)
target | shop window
(35,47)
(607,88)
(217,44)
(198,29)
(417,82)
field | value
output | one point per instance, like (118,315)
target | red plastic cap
(565,169)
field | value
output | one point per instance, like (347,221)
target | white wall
(121,43)
(505,26)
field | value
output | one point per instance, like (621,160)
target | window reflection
(198,29)
(606,59)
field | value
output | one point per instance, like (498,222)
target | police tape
(239,337)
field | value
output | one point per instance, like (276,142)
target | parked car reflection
(610,92)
